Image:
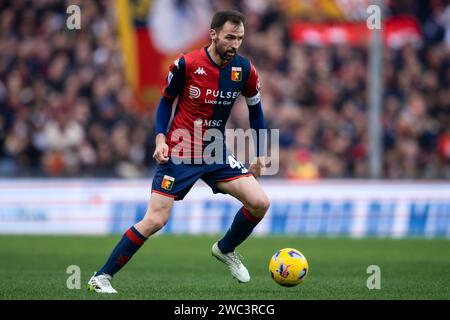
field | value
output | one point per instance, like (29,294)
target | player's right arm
(172,88)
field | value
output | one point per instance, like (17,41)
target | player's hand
(161,153)
(258,167)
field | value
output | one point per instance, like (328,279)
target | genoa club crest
(167,182)
(236,73)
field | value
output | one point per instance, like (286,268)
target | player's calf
(242,226)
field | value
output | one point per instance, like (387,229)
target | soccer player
(207,82)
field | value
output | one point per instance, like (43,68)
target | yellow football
(288,267)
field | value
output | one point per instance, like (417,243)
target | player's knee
(159,223)
(154,222)
(156,218)
(260,205)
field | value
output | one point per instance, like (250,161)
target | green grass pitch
(181,267)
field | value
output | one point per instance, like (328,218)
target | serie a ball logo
(288,267)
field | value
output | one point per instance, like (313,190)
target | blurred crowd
(66,109)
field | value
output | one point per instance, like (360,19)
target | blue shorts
(175,180)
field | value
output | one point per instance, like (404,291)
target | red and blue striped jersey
(206,93)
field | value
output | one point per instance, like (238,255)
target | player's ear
(213,34)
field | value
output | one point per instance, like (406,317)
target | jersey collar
(212,61)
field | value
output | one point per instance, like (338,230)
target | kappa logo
(201,71)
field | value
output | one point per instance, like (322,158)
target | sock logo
(122,260)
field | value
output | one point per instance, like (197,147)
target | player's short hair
(222,17)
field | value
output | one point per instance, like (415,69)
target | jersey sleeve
(175,79)
(251,90)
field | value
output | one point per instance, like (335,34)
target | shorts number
(236,164)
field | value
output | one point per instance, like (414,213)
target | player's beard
(222,52)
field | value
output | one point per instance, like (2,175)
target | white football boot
(232,260)
(101,284)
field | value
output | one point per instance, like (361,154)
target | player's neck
(215,56)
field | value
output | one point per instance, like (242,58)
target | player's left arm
(257,123)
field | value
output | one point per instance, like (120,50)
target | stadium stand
(66,109)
